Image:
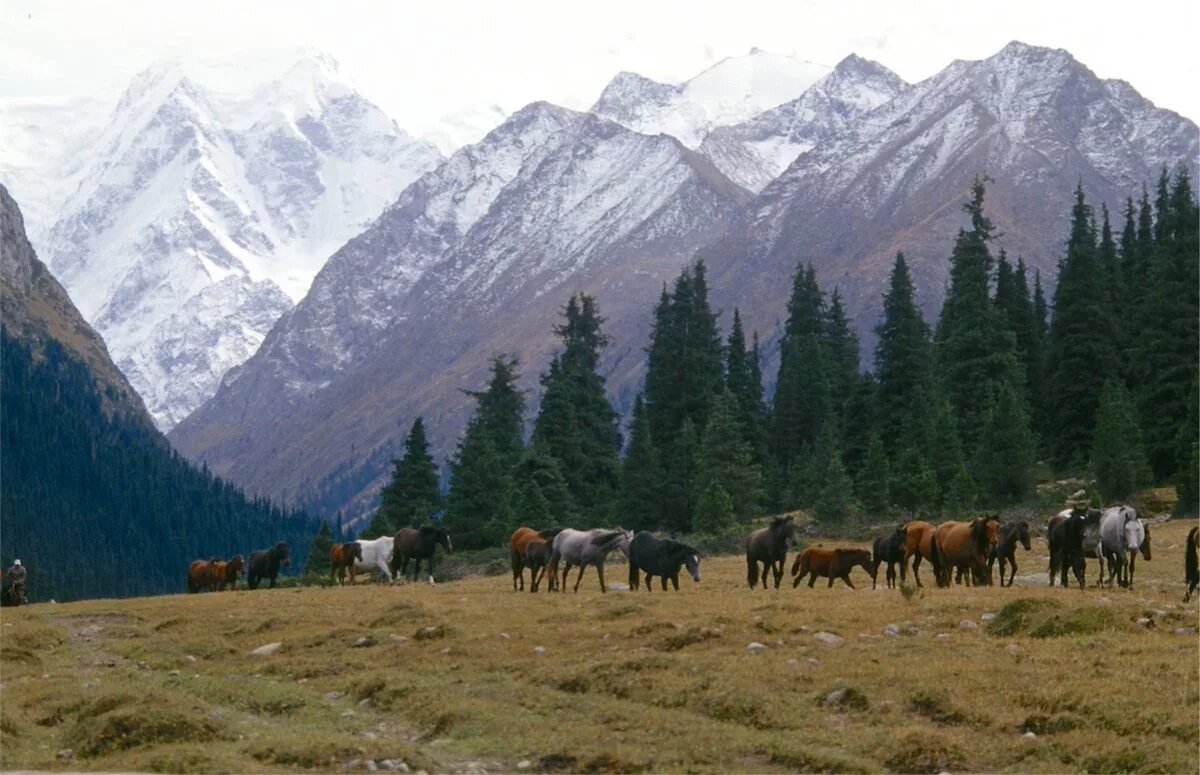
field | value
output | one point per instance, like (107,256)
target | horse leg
(675,580)
(1012,570)
(916,571)
(518,570)
(600,572)
(634,575)
(846,578)
(664,583)
(1129,575)
(566,572)
(778,573)
(579,578)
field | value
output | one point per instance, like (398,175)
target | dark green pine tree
(480,502)
(975,351)
(801,400)
(872,483)
(743,378)
(913,485)
(1118,455)
(861,423)
(1080,345)
(725,459)
(413,497)
(960,495)
(1170,337)
(640,501)
(1029,332)
(576,425)
(1007,452)
(945,455)
(841,350)
(317,563)
(1188,453)
(679,485)
(714,511)
(903,367)
(541,494)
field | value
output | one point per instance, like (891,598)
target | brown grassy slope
(627,681)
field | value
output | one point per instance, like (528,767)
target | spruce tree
(576,425)
(1080,346)
(945,455)
(413,496)
(872,484)
(860,423)
(802,392)
(725,459)
(1187,445)
(541,493)
(960,495)
(679,486)
(1007,452)
(975,352)
(913,485)
(639,503)
(1118,455)
(318,551)
(841,352)
(743,378)
(714,511)
(903,367)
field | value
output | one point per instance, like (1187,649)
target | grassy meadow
(471,677)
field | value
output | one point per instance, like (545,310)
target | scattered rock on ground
(392,765)
(267,650)
(66,753)
(943,636)
(400,638)
(189,657)
(754,647)
(1185,630)
(845,698)
(987,616)
(793,663)
(1029,737)
(91,631)
(364,641)
(618,587)
(504,635)
(331,696)
(891,630)
(828,639)
(1013,648)
(1103,601)
(967,624)
(430,633)
(812,662)
(539,650)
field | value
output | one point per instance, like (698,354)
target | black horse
(1005,550)
(264,564)
(660,557)
(418,543)
(769,546)
(1191,562)
(536,557)
(1065,535)
(888,549)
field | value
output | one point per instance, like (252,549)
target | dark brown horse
(965,546)
(830,563)
(200,576)
(1064,534)
(769,546)
(516,547)
(888,549)
(343,558)
(418,543)
(1005,550)
(918,544)
(264,564)
(537,558)
(226,573)
(1191,562)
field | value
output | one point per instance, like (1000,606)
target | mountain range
(477,256)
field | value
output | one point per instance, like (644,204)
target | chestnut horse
(224,573)
(918,543)
(200,576)
(1005,550)
(516,547)
(965,546)
(342,558)
(832,563)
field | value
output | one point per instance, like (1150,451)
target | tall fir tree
(413,496)
(1007,452)
(913,484)
(1118,455)
(872,483)
(903,365)
(725,459)
(480,501)
(743,378)
(576,425)
(975,352)
(318,563)
(1080,344)
(639,504)
(541,494)
(802,399)
(841,352)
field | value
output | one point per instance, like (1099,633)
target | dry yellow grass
(627,682)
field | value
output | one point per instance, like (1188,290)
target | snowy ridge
(202,213)
(731,91)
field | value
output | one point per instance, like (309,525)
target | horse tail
(801,562)
(751,571)
(549,532)
(1191,556)
(935,560)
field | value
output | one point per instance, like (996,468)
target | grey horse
(1121,534)
(584,548)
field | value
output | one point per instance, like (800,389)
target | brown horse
(537,558)
(769,546)
(342,558)
(918,544)
(964,546)
(226,573)
(831,563)
(1191,562)
(521,538)
(200,575)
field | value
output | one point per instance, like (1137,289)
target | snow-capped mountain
(464,127)
(755,152)
(476,257)
(200,214)
(732,91)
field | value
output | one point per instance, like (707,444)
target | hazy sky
(420,60)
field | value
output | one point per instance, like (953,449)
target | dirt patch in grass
(399,613)
(120,722)
(618,611)
(1041,618)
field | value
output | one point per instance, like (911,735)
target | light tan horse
(964,546)
(918,544)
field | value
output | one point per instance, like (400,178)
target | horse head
(234,567)
(356,551)
(1145,546)
(444,540)
(623,540)
(692,563)
(993,525)
(1022,530)
(281,553)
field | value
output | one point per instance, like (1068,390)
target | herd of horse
(964,552)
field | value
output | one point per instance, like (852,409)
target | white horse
(584,548)
(1121,534)
(376,555)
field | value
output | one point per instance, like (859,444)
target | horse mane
(603,538)
(549,532)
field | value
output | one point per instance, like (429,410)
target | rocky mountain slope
(197,216)
(477,256)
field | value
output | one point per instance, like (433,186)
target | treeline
(100,506)
(1100,382)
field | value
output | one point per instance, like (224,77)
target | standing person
(14,585)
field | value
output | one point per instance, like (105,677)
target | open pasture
(472,676)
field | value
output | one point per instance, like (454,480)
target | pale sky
(420,60)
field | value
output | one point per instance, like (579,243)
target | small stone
(539,650)
(91,631)
(143,664)
(364,702)
(1029,737)
(504,635)
(173,674)
(1185,630)
(754,647)
(372,766)
(189,658)
(400,638)
(216,715)
(1145,621)
(445,650)
(524,764)
(429,633)
(967,624)
(793,663)
(863,636)
(891,631)
(267,650)
(943,636)
(1103,601)
(332,696)
(66,753)
(348,714)
(828,639)
(364,642)
(618,587)
(812,662)
(987,617)
(1013,649)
